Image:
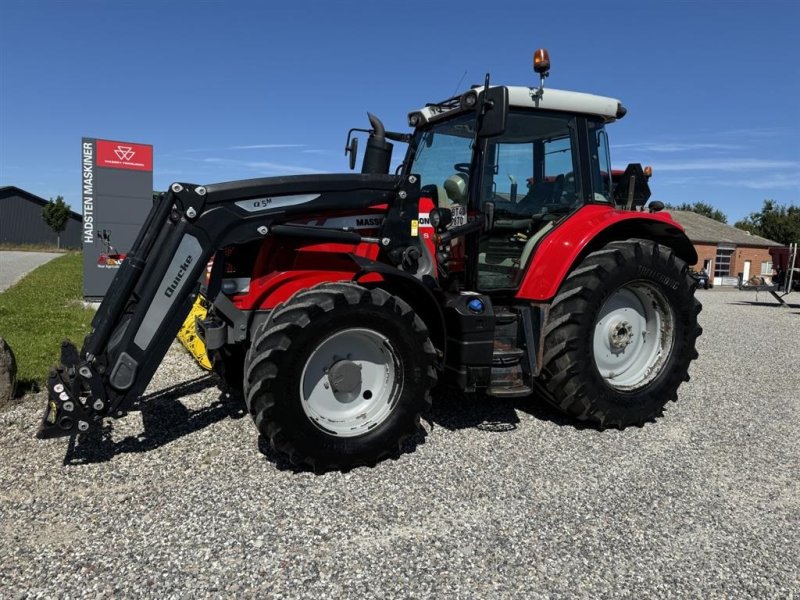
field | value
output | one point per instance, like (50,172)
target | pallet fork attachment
(157,284)
(187,335)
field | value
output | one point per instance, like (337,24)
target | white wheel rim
(633,336)
(349,382)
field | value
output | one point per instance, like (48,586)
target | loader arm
(157,284)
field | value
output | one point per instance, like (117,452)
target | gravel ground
(15,265)
(503,499)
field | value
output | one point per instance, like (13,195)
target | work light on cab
(469,100)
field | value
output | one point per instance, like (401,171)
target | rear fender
(589,229)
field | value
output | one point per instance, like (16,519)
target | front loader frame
(156,286)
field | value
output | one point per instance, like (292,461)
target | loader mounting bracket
(75,397)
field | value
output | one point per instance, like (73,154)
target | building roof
(700,228)
(12,190)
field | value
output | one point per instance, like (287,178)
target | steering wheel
(462,168)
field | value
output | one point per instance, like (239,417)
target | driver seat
(456,188)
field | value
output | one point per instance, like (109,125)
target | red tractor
(501,256)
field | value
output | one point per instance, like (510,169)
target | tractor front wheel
(620,335)
(339,375)
(228,364)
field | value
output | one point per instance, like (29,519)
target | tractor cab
(543,157)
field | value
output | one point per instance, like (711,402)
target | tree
(56,214)
(700,208)
(775,222)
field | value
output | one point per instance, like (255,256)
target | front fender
(590,228)
(277,286)
(418,295)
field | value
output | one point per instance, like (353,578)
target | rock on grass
(8,373)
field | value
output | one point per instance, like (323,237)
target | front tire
(228,364)
(621,334)
(339,375)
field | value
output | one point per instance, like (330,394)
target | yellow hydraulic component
(188,336)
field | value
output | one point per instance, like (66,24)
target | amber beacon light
(541,61)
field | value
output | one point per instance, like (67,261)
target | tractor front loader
(502,256)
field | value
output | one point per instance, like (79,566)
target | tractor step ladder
(508,376)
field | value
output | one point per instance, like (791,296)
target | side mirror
(494,119)
(352,150)
(440,218)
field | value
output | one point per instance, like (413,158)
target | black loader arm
(156,285)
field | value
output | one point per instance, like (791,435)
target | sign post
(117,190)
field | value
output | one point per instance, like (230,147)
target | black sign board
(117,190)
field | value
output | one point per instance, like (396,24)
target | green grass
(39,312)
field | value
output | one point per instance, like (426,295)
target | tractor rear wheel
(620,335)
(339,375)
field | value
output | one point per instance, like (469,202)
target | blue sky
(231,90)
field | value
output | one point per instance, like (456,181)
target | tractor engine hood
(293,185)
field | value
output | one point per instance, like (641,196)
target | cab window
(530,178)
(442,158)
(600,163)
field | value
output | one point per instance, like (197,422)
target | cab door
(532,179)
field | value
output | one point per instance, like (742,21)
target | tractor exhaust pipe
(378,155)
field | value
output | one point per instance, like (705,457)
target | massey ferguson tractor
(500,256)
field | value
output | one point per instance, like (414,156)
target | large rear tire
(339,375)
(621,334)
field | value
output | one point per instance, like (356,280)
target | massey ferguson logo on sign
(124,155)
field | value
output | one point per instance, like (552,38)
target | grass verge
(39,312)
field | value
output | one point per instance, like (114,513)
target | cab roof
(608,109)
(575,102)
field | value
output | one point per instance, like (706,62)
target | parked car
(701,279)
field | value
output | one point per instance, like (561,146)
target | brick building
(725,251)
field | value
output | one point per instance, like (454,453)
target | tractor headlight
(440,218)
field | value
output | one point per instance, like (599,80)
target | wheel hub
(633,336)
(350,382)
(345,377)
(620,334)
